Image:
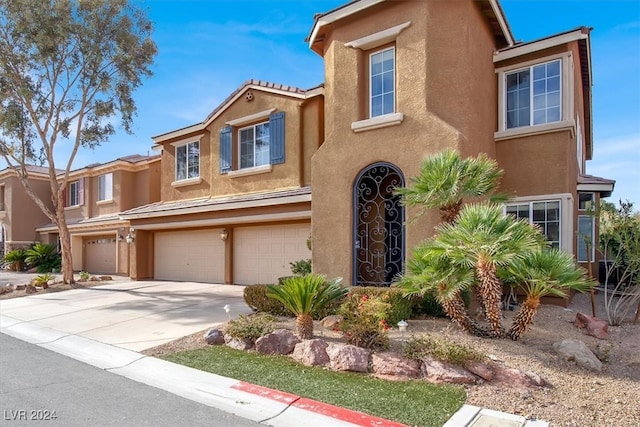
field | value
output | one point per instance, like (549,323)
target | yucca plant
(304,295)
(541,273)
(446,179)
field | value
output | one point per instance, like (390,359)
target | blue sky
(207,49)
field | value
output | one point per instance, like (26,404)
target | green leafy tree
(68,70)
(446,180)
(305,295)
(540,273)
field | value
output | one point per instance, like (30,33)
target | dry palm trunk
(450,212)
(491,292)
(456,310)
(524,317)
(304,326)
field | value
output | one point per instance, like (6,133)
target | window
(254,146)
(586,233)
(1,197)
(586,201)
(544,214)
(382,86)
(105,187)
(533,95)
(188,161)
(73,199)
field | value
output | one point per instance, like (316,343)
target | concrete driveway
(128,314)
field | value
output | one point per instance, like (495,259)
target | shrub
(400,306)
(251,327)
(256,297)
(427,305)
(302,267)
(426,346)
(364,321)
(16,259)
(43,280)
(84,275)
(44,257)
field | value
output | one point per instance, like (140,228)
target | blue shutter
(276,137)
(225,150)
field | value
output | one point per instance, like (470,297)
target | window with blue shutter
(276,148)
(225,150)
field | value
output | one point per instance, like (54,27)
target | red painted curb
(347,415)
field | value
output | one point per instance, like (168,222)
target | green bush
(427,305)
(84,276)
(43,280)
(400,306)
(302,267)
(44,257)
(16,259)
(251,327)
(364,321)
(256,297)
(426,346)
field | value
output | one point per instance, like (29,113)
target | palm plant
(42,256)
(16,259)
(304,295)
(446,179)
(541,273)
(484,239)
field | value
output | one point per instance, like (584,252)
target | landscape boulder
(30,289)
(21,287)
(105,278)
(480,369)
(394,366)
(280,341)
(214,337)
(311,352)
(578,352)
(514,378)
(238,343)
(592,326)
(331,322)
(346,357)
(435,371)
(6,289)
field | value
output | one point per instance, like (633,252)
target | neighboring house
(242,189)
(94,197)
(19,214)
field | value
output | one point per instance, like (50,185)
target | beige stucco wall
(21,214)
(441,57)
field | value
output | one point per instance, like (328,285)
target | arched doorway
(378,229)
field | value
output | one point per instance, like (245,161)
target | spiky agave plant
(541,273)
(304,295)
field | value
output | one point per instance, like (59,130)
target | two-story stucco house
(242,190)
(94,197)
(19,214)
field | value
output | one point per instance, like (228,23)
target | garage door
(263,254)
(196,256)
(100,255)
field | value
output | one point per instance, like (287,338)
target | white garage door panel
(263,254)
(196,256)
(100,254)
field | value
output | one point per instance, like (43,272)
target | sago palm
(483,238)
(429,273)
(304,295)
(446,179)
(541,273)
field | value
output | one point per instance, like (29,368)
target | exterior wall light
(224,234)
(402,326)
(131,236)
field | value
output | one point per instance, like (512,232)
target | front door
(378,229)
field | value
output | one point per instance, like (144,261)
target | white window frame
(255,166)
(73,189)
(105,187)
(186,147)
(566,98)
(566,214)
(579,238)
(370,77)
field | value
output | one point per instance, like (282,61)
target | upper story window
(105,187)
(586,201)
(545,214)
(188,161)
(254,146)
(73,194)
(382,87)
(533,95)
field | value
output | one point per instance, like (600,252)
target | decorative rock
(483,370)
(6,289)
(51,282)
(514,378)
(346,357)
(577,351)
(392,364)
(94,279)
(21,287)
(331,322)
(102,278)
(592,326)
(311,352)
(214,337)
(238,343)
(435,371)
(30,289)
(280,341)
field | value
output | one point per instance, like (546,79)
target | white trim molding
(185,182)
(250,171)
(251,118)
(189,140)
(377,122)
(527,48)
(378,39)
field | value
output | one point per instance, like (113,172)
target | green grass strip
(416,403)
